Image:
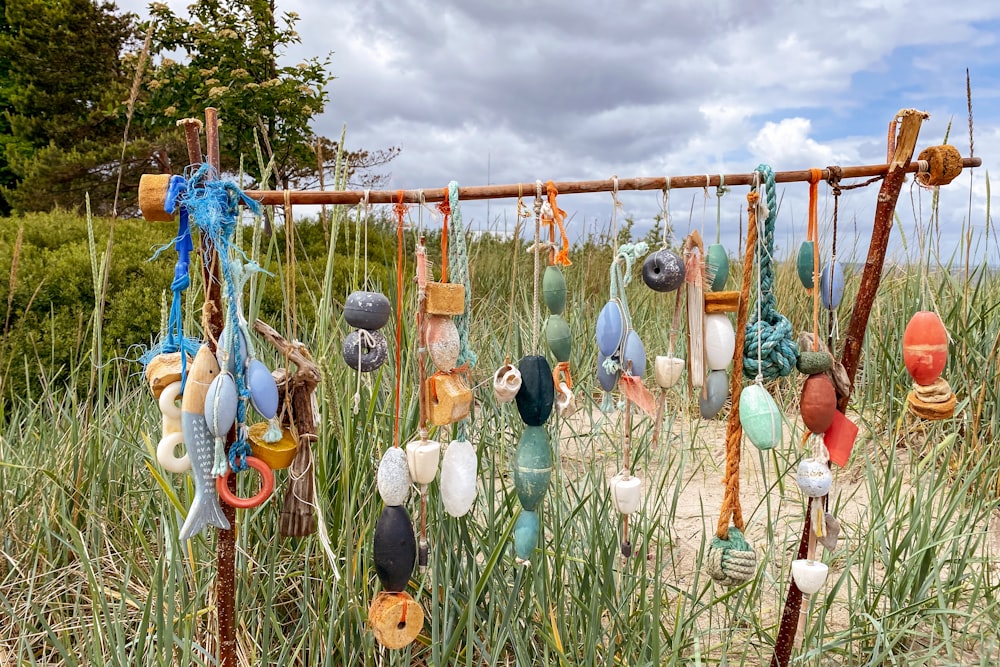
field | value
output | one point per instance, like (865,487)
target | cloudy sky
(513,91)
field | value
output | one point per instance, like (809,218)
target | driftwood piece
(298,517)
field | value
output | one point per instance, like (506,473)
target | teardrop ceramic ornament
(716,267)
(634,355)
(422,458)
(805,262)
(626,493)
(367,310)
(506,383)
(443,343)
(663,271)
(610,328)
(714,394)
(720,341)
(607,380)
(818,403)
(537,392)
(263,389)
(393,477)
(554,290)
(227,360)
(525,534)
(532,466)
(760,416)
(925,347)
(668,371)
(558,337)
(220,404)
(831,285)
(809,575)
(459,477)
(814,478)
(395,548)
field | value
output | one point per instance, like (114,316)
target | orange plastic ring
(266,486)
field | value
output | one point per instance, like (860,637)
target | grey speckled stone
(365,353)
(393,477)
(367,310)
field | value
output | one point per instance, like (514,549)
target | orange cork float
(925,347)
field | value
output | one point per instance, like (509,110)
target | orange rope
(562,371)
(814,177)
(731,509)
(445,209)
(400,210)
(560,258)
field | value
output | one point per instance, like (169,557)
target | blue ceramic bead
(263,390)
(714,394)
(610,328)
(831,288)
(608,380)
(634,353)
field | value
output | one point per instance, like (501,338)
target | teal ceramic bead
(526,529)
(532,466)
(831,285)
(716,267)
(760,417)
(714,394)
(558,336)
(537,393)
(554,290)
(804,263)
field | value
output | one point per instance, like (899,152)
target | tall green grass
(91,571)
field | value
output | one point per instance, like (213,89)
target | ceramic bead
(626,494)
(537,393)
(610,328)
(554,290)
(668,371)
(395,548)
(526,529)
(713,398)
(365,352)
(634,355)
(925,347)
(367,310)
(220,405)
(809,575)
(814,478)
(831,285)
(607,380)
(396,619)
(263,389)
(393,477)
(459,477)
(760,417)
(443,343)
(818,403)
(805,262)
(422,458)
(720,341)
(663,271)
(558,337)
(716,267)
(532,466)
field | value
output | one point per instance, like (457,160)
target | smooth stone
(558,337)
(221,402)
(526,529)
(422,458)
(714,394)
(459,477)
(760,417)
(626,494)
(925,347)
(263,389)
(634,355)
(394,551)
(532,466)
(809,575)
(554,290)
(805,262)
(716,267)
(668,370)
(367,310)
(831,287)
(443,342)
(610,328)
(393,477)
(814,478)
(811,363)
(537,393)
(818,403)
(608,381)
(663,271)
(365,354)
(720,341)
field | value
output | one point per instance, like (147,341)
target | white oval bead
(459,477)
(422,459)
(720,341)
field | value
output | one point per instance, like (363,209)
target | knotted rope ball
(731,561)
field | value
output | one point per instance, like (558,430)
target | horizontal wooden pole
(479,192)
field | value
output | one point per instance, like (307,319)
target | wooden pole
(511,191)
(896,170)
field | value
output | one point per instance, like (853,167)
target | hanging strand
(720,192)
(559,255)
(400,210)
(835,187)
(537,249)
(813,233)
(458,259)
(666,214)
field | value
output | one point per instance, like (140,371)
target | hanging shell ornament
(506,383)
(667,370)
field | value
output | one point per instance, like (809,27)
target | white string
(367,211)
(666,211)
(758,250)
(615,205)
(535,316)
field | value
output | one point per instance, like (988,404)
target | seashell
(831,287)
(668,370)
(663,271)
(760,417)
(366,351)
(506,383)
(558,337)
(554,290)
(532,466)
(526,529)
(220,404)
(394,549)
(818,403)
(422,458)
(713,396)
(607,380)
(626,493)
(443,343)
(565,401)
(367,310)
(393,477)
(634,355)
(814,478)
(396,619)
(809,575)
(610,328)
(165,453)
(163,370)
(537,392)
(263,389)
(716,267)
(459,477)
(720,341)
(925,347)
(805,262)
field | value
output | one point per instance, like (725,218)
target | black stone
(372,353)
(367,310)
(663,271)
(537,393)
(395,548)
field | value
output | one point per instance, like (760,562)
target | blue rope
(776,349)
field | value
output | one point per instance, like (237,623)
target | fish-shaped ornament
(205,509)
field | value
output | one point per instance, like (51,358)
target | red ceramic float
(818,403)
(925,347)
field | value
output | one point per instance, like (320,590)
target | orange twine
(399,208)
(813,233)
(560,258)
(445,209)
(562,371)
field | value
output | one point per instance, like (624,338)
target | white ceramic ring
(165,453)
(168,401)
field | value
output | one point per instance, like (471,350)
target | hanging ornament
(663,270)
(367,310)
(713,395)
(760,416)
(506,383)
(925,354)
(720,341)
(831,285)
(809,575)
(458,477)
(694,252)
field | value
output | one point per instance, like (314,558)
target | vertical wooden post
(902,148)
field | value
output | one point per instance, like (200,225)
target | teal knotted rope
(458,261)
(769,351)
(621,275)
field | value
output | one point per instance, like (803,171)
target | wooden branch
(296,352)
(510,191)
